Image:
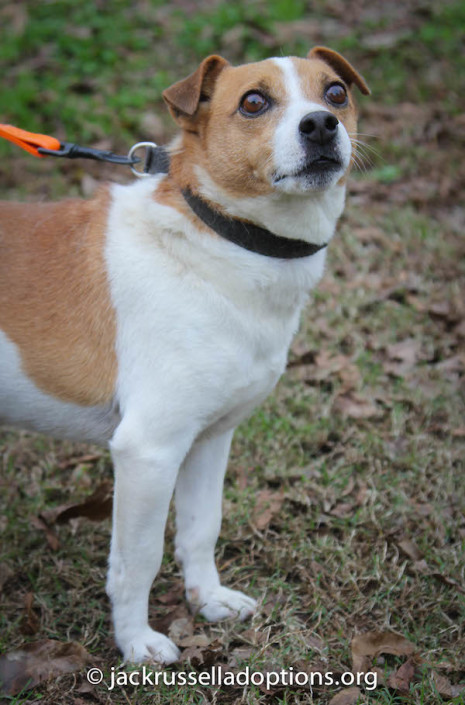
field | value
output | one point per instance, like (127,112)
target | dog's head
(279,125)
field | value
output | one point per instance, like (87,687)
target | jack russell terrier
(156,316)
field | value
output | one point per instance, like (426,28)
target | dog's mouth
(322,164)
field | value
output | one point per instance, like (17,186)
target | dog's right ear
(183,98)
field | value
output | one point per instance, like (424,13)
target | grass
(361,445)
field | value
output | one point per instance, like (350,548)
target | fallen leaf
(38,662)
(181,628)
(366,647)
(449,581)
(205,657)
(172,596)
(442,309)
(348,696)
(451,364)
(356,407)
(406,350)
(442,685)
(239,655)
(200,640)
(96,507)
(350,378)
(42,524)
(410,549)
(342,510)
(268,504)
(163,622)
(30,622)
(400,680)
(194,655)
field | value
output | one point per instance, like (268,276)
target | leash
(157,161)
(46,146)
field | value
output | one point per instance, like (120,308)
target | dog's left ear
(342,67)
(183,98)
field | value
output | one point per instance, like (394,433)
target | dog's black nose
(319,127)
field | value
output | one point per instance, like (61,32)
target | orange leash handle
(29,141)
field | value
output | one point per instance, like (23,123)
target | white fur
(203,331)
(289,154)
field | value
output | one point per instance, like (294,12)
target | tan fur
(54,296)
(226,160)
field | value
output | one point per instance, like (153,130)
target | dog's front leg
(145,476)
(199,490)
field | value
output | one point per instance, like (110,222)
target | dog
(156,316)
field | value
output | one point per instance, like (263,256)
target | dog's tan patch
(216,135)
(54,296)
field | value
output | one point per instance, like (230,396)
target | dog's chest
(204,356)
(191,351)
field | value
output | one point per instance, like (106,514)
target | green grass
(329,564)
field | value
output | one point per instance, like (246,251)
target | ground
(345,496)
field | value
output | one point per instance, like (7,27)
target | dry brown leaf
(239,655)
(405,351)
(350,378)
(203,656)
(42,524)
(254,636)
(172,596)
(166,617)
(342,510)
(200,640)
(458,690)
(38,662)
(30,622)
(356,407)
(348,696)
(401,679)
(194,655)
(365,647)
(96,507)
(449,581)
(443,685)
(410,549)
(314,643)
(268,504)
(181,628)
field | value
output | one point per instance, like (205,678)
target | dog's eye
(253,104)
(336,95)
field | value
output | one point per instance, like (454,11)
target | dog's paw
(221,603)
(150,647)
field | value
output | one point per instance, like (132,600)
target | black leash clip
(156,159)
